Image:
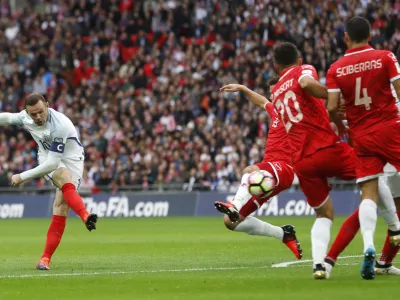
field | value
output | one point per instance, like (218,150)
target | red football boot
(290,240)
(228,209)
(44,264)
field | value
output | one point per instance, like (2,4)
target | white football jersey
(58,134)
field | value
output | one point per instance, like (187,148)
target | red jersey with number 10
(277,145)
(363,75)
(304,116)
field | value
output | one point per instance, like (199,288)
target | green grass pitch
(174,258)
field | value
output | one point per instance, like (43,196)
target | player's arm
(254,97)
(393,67)
(396,86)
(334,106)
(313,87)
(51,163)
(7,119)
(333,110)
(308,81)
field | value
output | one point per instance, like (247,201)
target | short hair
(358,29)
(286,54)
(398,53)
(272,81)
(33,99)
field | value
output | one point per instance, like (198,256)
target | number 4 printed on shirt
(365,100)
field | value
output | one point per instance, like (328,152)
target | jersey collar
(49,116)
(358,50)
(285,72)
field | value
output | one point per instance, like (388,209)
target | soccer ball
(261,184)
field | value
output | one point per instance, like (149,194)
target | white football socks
(320,236)
(368,216)
(254,226)
(386,205)
(242,195)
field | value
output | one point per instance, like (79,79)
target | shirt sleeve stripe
(394,78)
(333,90)
(304,75)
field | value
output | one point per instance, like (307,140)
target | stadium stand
(140,80)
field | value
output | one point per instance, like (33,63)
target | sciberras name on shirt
(361,67)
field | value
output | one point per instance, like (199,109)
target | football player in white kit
(392,178)
(61,158)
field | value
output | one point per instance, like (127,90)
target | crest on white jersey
(47,138)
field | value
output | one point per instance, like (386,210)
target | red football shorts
(338,160)
(284,175)
(375,149)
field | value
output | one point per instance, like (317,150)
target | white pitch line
(296,262)
(106,273)
(49,274)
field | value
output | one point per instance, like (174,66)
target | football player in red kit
(317,152)
(277,160)
(364,77)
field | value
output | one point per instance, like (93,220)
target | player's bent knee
(60,209)
(326,210)
(250,169)
(61,176)
(369,190)
(329,214)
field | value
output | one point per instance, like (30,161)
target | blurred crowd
(141,79)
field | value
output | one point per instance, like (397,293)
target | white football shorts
(75,167)
(393,180)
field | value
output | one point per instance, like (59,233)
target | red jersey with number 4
(304,116)
(277,145)
(363,75)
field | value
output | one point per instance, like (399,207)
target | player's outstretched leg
(253,226)
(237,216)
(63,180)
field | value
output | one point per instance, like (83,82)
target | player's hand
(344,135)
(342,109)
(348,135)
(16,180)
(231,88)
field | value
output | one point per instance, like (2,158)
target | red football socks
(54,235)
(389,251)
(74,201)
(346,234)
